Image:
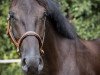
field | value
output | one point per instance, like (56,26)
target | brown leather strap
(11,35)
(19,42)
(30,33)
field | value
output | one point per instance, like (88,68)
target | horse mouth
(31,70)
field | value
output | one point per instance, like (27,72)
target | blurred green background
(83,14)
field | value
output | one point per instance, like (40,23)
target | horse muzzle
(32,65)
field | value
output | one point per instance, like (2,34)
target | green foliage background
(7,50)
(83,14)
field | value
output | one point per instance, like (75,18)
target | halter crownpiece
(19,42)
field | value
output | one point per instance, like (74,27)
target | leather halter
(19,42)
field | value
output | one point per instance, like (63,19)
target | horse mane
(58,20)
(60,24)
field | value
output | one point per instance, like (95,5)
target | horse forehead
(28,14)
(27,7)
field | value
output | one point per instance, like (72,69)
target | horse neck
(57,50)
(66,56)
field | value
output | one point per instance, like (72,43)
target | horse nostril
(24,62)
(40,61)
(24,65)
(40,67)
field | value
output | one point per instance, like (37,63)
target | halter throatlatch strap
(19,42)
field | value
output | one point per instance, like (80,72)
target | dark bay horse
(34,25)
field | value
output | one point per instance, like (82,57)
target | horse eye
(11,16)
(45,13)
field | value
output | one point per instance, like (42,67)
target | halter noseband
(19,42)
